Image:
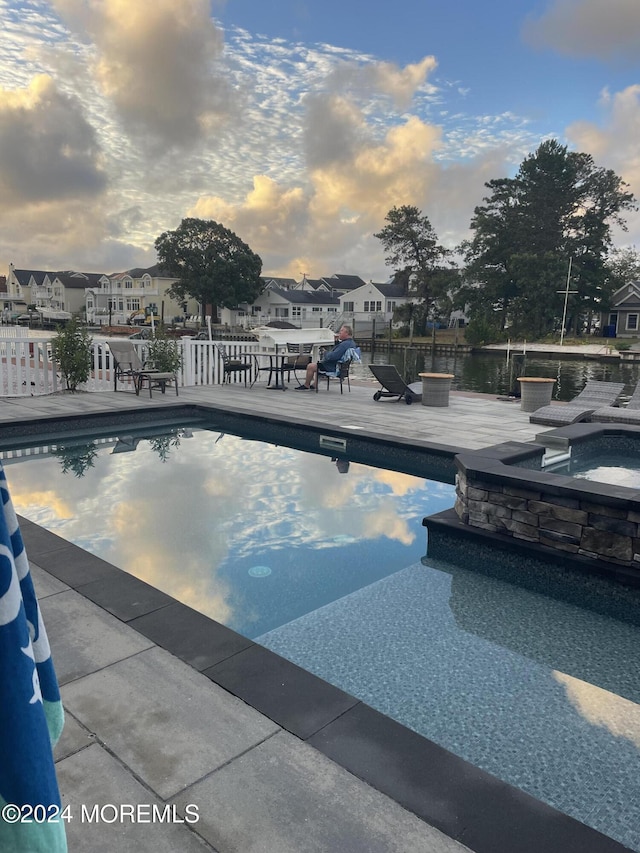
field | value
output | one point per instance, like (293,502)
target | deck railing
(27,367)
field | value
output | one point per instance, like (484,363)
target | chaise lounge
(629,414)
(594,396)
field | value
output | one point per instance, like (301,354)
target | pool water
(325,564)
(612,468)
(249,533)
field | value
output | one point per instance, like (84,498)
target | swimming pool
(540,692)
(250,533)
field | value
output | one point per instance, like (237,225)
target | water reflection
(494,374)
(196,525)
(76,458)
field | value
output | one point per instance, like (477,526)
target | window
(347,306)
(391,306)
(632,322)
(296,311)
(366,305)
(378,305)
(316,308)
(133,304)
(256,309)
(128,284)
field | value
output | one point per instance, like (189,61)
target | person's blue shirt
(334,355)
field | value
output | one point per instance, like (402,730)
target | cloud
(614,143)
(350,188)
(588,28)
(601,708)
(48,151)
(156,64)
(366,80)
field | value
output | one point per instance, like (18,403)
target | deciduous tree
(212,264)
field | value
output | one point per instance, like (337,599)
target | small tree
(71,349)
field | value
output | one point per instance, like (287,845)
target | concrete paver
(85,638)
(92,777)
(164,720)
(285,796)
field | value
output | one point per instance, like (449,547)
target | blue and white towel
(31,715)
(352,354)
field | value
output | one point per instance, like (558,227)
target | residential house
(306,309)
(115,298)
(371,302)
(623,318)
(57,291)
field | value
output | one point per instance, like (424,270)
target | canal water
(493,373)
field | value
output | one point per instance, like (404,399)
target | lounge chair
(388,376)
(593,396)
(629,414)
(127,364)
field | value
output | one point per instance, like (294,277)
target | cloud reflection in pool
(195,523)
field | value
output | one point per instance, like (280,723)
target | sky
(296,124)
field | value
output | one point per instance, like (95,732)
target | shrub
(71,349)
(480,331)
(165,354)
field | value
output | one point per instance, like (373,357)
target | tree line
(556,215)
(559,209)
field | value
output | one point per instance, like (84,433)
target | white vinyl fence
(27,367)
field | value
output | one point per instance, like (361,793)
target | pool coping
(463,801)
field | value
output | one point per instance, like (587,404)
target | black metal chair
(298,357)
(341,371)
(232,365)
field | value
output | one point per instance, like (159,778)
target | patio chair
(388,376)
(127,364)
(593,396)
(341,371)
(232,365)
(298,357)
(629,414)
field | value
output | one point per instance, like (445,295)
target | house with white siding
(373,301)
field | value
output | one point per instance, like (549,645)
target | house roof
(282,283)
(338,281)
(307,297)
(69,278)
(315,283)
(628,293)
(390,290)
(155,271)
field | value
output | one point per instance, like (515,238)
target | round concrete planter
(435,388)
(535,392)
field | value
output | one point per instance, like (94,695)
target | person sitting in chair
(330,360)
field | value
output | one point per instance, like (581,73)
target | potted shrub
(71,349)
(164,353)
